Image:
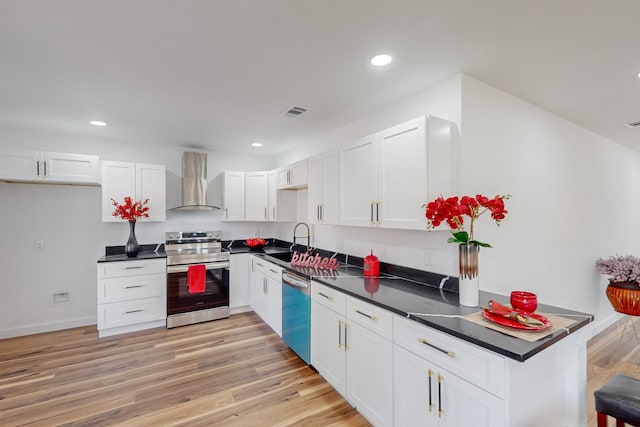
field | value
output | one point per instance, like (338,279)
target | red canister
(371,265)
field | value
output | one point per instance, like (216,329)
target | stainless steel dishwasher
(296,313)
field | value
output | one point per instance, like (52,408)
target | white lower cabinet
(265,290)
(132,295)
(351,349)
(426,394)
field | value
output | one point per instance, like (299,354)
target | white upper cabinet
(47,167)
(324,188)
(293,176)
(385,178)
(233,195)
(358,184)
(282,203)
(256,196)
(136,180)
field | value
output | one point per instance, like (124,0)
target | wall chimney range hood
(194,183)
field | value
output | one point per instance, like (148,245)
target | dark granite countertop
(418,296)
(116,253)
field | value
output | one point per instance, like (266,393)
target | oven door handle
(185,268)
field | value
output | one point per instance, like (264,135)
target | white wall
(574,198)
(68,219)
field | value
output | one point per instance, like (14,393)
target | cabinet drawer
(268,269)
(130,288)
(372,317)
(131,312)
(329,297)
(471,363)
(131,268)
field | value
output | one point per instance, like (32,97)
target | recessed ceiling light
(256,144)
(381,60)
(97,123)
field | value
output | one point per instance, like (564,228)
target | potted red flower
(452,211)
(131,211)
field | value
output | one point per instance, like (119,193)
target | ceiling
(216,75)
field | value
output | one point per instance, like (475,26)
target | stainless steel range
(187,249)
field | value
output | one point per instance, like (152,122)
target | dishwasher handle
(296,281)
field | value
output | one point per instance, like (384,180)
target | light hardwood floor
(231,372)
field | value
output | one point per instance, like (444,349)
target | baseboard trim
(39,328)
(601,326)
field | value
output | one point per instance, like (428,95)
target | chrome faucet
(308,236)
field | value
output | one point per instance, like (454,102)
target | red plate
(505,321)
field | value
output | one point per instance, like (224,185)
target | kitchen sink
(282,256)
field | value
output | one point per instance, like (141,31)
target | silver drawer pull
(133,311)
(133,268)
(273,271)
(448,353)
(366,315)
(326,296)
(134,286)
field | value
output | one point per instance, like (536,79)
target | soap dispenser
(371,265)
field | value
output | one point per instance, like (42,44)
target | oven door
(216,293)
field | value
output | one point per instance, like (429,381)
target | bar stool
(619,398)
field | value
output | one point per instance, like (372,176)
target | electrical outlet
(428,258)
(38,245)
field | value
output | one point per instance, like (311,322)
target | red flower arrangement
(453,209)
(130,210)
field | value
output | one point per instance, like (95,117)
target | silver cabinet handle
(326,296)
(371,205)
(133,268)
(134,286)
(365,315)
(273,271)
(133,311)
(274,212)
(339,333)
(318,212)
(44,163)
(265,213)
(435,347)
(378,211)
(38,167)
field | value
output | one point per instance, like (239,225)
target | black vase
(132,248)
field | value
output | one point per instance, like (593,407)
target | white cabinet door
(233,196)
(358,182)
(324,188)
(402,175)
(258,291)
(293,176)
(442,154)
(428,395)
(136,180)
(415,390)
(70,168)
(327,346)
(151,184)
(118,182)
(238,281)
(256,196)
(19,165)
(314,193)
(282,203)
(370,374)
(274,302)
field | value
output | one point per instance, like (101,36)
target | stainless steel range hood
(194,182)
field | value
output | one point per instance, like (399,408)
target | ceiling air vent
(295,111)
(633,125)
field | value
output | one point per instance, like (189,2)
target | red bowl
(526,301)
(255,243)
